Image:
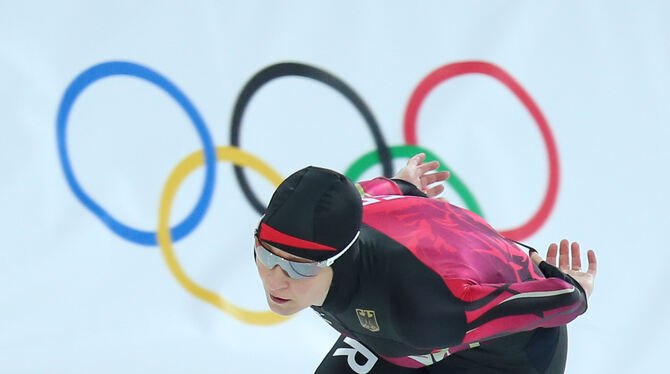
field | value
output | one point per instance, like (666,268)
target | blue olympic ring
(107,69)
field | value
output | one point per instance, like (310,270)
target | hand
(585,279)
(415,172)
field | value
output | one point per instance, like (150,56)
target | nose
(276,278)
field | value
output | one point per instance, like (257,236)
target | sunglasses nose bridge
(277,277)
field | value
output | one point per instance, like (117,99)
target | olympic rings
(288,69)
(367,160)
(177,176)
(449,71)
(107,69)
(164,236)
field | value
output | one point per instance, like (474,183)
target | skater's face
(286,295)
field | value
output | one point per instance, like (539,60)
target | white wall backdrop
(79,297)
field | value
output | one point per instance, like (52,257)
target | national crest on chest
(368,319)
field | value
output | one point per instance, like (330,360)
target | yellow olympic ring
(177,176)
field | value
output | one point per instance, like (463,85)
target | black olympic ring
(288,69)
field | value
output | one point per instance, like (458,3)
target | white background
(77,298)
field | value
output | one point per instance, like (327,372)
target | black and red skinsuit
(435,289)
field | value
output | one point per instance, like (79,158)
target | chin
(282,312)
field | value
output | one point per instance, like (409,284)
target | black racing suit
(434,289)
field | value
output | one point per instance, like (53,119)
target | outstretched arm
(488,311)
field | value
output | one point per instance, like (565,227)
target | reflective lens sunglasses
(294,269)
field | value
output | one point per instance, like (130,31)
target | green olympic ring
(371,158)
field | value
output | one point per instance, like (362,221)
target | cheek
(299,289)
(304,286)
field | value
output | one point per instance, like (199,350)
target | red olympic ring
(449,71)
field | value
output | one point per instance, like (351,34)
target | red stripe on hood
(272,235)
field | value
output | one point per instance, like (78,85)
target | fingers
(576,257)
(564,255)
(417,159)
(571,253)
(440,176)
(551,254)
(434,191)
(428,166)
(593,263)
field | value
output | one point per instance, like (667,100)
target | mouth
(278,300)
